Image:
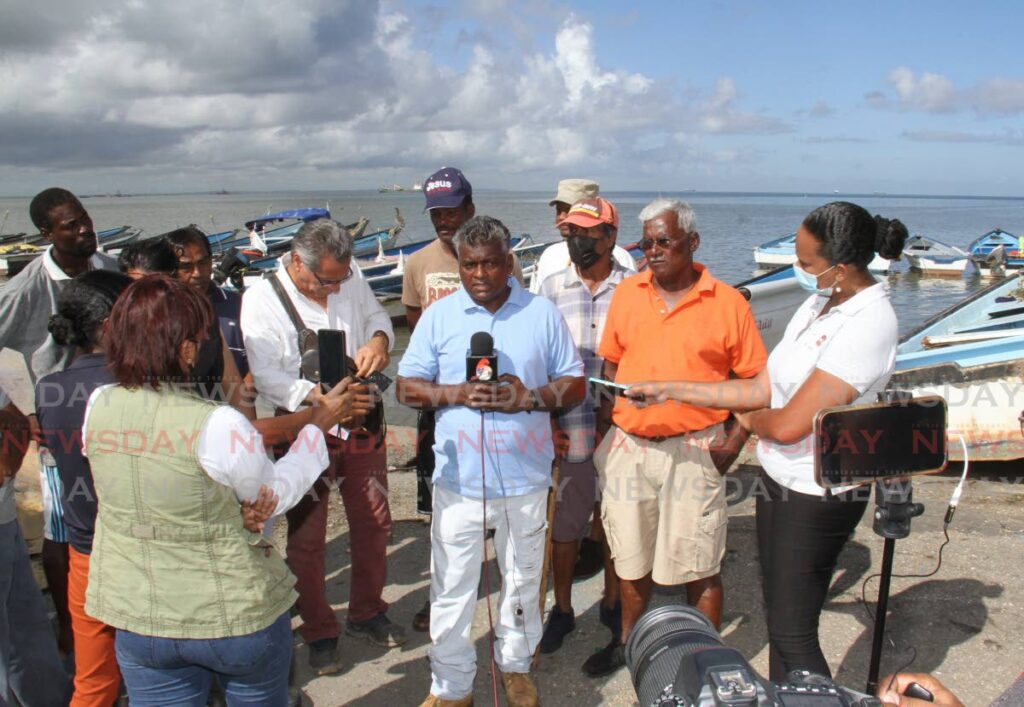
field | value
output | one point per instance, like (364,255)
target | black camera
(231,266)
(677,659)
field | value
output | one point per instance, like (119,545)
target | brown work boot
(435,701)
(520,690)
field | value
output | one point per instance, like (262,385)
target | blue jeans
(30,668)
(252,669)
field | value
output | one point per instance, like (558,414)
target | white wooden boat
(782,251)
(934,257)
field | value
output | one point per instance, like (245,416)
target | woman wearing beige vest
(194,596)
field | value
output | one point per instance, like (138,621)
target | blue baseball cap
(446,188)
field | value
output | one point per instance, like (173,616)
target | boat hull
(931,266)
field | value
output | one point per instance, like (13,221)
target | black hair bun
(63,331)
(890,236)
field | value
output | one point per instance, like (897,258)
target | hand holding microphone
(486,389)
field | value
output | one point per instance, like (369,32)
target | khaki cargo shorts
(663,505)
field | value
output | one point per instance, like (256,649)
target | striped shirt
(585,313)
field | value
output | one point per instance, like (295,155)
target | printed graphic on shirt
(439,285)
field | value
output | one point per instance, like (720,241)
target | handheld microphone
(482,363)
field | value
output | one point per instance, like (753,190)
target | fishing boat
(782,251)
(15,256)
(996,251)
(972,355)
(385,272)
(934,257)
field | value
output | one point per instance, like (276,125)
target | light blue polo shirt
(533,342)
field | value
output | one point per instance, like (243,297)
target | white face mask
(810,282)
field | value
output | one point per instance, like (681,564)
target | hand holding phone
(602,388)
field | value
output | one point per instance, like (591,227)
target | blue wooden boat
(984,246)
(972,354)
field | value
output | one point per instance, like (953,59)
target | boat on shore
(934,257)
(782,251)
(972,355)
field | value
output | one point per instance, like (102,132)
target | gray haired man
(316,281)
(499,478)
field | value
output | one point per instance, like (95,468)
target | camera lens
(658,644)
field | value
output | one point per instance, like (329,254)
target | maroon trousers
(360,473)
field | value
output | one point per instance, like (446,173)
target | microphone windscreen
(481,344)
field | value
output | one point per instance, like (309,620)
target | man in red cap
(582,291)
(555,257)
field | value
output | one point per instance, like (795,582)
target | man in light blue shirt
(493,452)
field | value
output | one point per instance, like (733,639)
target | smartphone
(378,379)
(615,388)
(331,343)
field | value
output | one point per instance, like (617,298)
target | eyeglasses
(662,242)
(332,283)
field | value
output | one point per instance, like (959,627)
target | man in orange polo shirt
(663,499)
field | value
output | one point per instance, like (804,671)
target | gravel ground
(963,623)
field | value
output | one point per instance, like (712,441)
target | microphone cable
(487,571)
(954,501)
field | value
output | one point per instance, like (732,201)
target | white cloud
(935,93)
(338,85)
(720,114)
(930,92)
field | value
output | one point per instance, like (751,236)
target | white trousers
(457,547)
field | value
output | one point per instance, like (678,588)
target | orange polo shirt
(710,332)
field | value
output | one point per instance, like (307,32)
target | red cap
(593,211)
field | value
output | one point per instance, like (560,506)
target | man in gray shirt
(30,297)
(30,668)
(27,301)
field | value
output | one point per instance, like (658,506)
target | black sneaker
(323,656)
(560,625)
(377,630)
(590,560)
(605,661)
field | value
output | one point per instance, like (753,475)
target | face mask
(583,251)
(810,282)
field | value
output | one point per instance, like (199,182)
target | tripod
(894,509)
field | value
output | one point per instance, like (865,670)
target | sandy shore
(963,623)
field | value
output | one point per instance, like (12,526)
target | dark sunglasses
(662,242)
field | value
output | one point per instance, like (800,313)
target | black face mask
(583,251)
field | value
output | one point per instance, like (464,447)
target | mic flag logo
(484,370)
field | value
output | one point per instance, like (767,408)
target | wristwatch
(535,401)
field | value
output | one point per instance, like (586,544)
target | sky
(198,95)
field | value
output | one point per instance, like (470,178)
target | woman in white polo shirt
(839,348)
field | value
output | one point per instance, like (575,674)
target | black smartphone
(862,443)
(378,379)
(331,343)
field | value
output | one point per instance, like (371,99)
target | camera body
(676,659)
(728,680)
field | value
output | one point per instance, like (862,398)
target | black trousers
(799,538)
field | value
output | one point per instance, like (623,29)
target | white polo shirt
(855,341)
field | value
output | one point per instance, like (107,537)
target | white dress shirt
(231,452)
(272,344)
